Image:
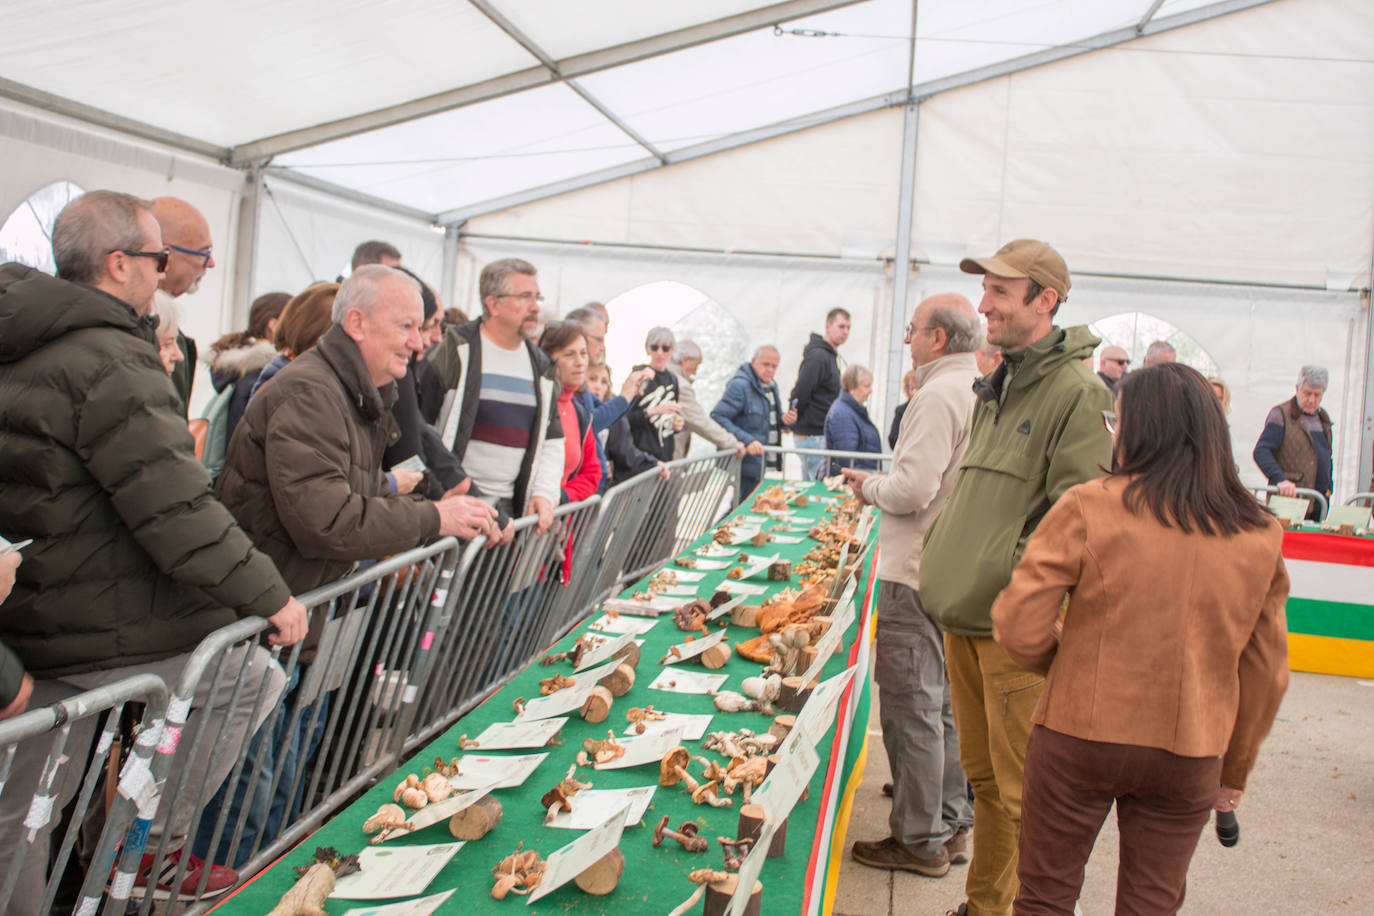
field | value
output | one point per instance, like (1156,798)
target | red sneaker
(221,879)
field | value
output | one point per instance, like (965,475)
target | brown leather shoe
(956,847)
(894,855)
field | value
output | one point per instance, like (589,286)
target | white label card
(506,736)
(688,650)
(643,749)
(785,783)
(435,812)
(394,871)
(726,608)
(1348,515)
(714,564)
(742,588)
(421,906)
(687,575)
(593,806)
(604,651)
(686,590)
(757,565)
(787,539)
(692,725)
(504,772)
(559,702)
(824,649)
(637,626)
(682,680)
(1290,507)
(819,709)
(712,549)
(582,853)
(651,608)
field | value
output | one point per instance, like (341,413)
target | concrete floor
(1307,824)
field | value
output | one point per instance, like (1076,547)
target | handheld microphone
(1228,829)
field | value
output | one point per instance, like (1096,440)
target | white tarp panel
(1169,156)
(306,236)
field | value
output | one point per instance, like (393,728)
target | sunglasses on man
(161,256)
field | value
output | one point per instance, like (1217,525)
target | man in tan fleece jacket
(931,813)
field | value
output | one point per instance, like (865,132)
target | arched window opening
(26,235)
(1135,331)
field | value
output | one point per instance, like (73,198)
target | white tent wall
(775,300)
(306,235)
(39,149)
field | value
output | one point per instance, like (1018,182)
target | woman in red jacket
(565,345)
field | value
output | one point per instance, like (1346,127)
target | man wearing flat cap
(1037,430)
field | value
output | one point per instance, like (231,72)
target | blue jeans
(267,811)
(813,466)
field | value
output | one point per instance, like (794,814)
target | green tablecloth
(655,879)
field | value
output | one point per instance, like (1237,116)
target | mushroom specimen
(672,769)
(410,793)
(518,872)
(637,717)
(700,877)
(554,684)
(600,750)
(749,773)
(389,817)
(686,835)
(730,701)
(559,798)
(705,794)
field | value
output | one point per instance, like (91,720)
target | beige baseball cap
(1025,258)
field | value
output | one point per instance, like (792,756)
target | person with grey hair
(1159,351)
(751,411)
(685,363)
(137,560)
(848,428)
(1294,449)
(931,814)
(654,417)
(499,414)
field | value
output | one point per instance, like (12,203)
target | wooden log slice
(745,615)
(476,820)
(620,681)
(603,874)
(782,724)
(716,656)
(751,825)
(630,654)
(598,705)
(793,695)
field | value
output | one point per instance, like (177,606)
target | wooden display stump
(782,724)
(598,705)
(630,654)
(793,695)
(620,681)
(718,897)
(603,875)
(476,821)
(751,825)
(716,656)
(745,615)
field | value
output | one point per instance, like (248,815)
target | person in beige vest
(931,813)
(684,364)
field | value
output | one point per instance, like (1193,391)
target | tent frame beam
(919,92)
(567,68)
(529,44)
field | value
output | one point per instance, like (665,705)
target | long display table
(801,881)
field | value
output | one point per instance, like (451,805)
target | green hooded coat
(1037,430)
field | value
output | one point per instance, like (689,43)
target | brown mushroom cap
(688,828)
(702,789)
(673,766)
(555,796)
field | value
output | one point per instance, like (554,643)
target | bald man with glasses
(186,237)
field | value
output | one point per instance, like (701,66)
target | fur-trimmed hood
(237,362)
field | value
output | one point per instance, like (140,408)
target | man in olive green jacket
(1037,430)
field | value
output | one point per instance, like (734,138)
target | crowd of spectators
(360,419)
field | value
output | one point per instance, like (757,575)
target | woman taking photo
(653,415)
(565,345)
(1167,668)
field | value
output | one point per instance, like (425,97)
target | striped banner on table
(1330,603)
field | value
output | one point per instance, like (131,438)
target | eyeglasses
(203,255)
(665,348)
(161,256)
(1109,421)
(909,330)
(525,297)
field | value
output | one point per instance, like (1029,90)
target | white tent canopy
(1207,163)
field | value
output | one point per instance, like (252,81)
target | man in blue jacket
(751,410)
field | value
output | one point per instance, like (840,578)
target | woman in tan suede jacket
(1171,659)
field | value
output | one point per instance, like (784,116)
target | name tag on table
(688,650)
(593,806)
(495,772)
(1347,515)
(562,865)
(680,680)
(1289,507)
(692,725)
(824,649)
(507,736)
(642,749)
(605,650)
(636,626)
(396,871)
(818,711)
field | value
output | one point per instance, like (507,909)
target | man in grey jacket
(931,813)
(684,364)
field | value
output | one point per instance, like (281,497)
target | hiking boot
(956,847)
(887,789)
(960,910)
(894,855)
(221,879)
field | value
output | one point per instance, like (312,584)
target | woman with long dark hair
(1165,670)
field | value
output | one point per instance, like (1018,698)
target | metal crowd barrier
(344,713)
(881,458)
(1303,493)
(62,788)
(1361,499)
(507,604)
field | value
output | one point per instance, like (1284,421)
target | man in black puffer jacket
(133,561)
(816,388)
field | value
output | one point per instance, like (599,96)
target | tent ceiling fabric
(275,68)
